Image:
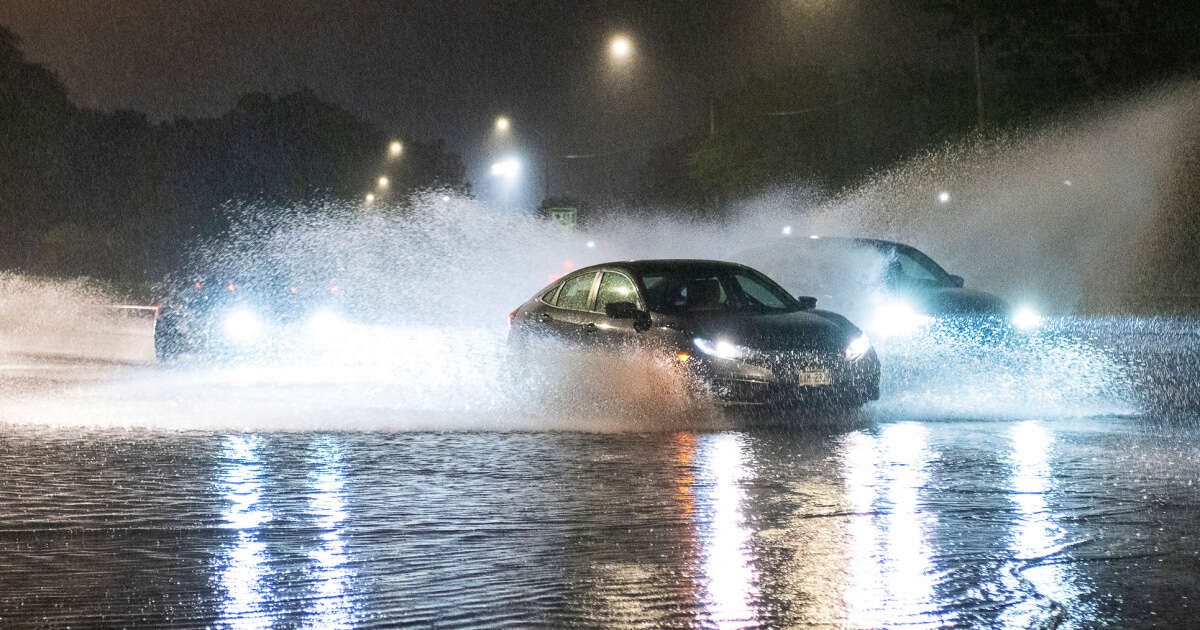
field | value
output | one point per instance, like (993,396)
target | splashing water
(432,284)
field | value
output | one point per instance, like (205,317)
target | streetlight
(383,181)
(395,148)
(620,48)
(502,124)
(944,196)
(370,198)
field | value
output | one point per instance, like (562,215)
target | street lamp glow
(370,197)
(787,230)
(502,124)
(944,196)
(395,148)
(507,168)
(383,181)
(445,198)
(591,244)
(621,48)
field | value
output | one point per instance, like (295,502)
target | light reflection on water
(892,570)
(244,575)
(331,577)
(1037,535)
(984,524)
(245,570)
(729,580)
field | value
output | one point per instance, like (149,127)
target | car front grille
(790,362)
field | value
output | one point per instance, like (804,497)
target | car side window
(575,292)
(615,287)
(550,294)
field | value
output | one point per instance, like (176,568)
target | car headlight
(720,348)
(1025,318)
(858,347)
(242,325)
(898,318)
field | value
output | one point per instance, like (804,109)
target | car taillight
(512,315)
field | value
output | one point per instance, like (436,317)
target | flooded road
(1078,523)
(244,498)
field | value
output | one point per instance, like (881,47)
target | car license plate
(815,378)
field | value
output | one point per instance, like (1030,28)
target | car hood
(801,330)
(959,301)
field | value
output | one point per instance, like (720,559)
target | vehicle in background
(213,317)
(893,288)
(735,331)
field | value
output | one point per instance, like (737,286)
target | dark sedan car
(735,330)
(891,287)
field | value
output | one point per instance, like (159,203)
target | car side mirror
(807,302)
(957,281)
(629,310)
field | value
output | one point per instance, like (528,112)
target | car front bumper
(790,381)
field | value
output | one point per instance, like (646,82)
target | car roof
(663,264)
(845,240)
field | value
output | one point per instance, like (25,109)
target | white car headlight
(898,318)
(242,325)
(858,347)
(1026,318)
(720,348)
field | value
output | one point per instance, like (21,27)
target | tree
(1030,57)
(768,129)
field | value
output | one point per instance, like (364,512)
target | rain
(388,455)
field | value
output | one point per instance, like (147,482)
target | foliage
(112,194)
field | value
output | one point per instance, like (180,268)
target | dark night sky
(422,69)
(445,68)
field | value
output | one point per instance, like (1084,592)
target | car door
(571,313)
(614,286)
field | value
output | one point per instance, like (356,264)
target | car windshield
(725,290)
(910,267)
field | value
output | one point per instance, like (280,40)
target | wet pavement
(1078,512)
(1069,523)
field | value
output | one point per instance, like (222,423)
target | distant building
(565,216)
